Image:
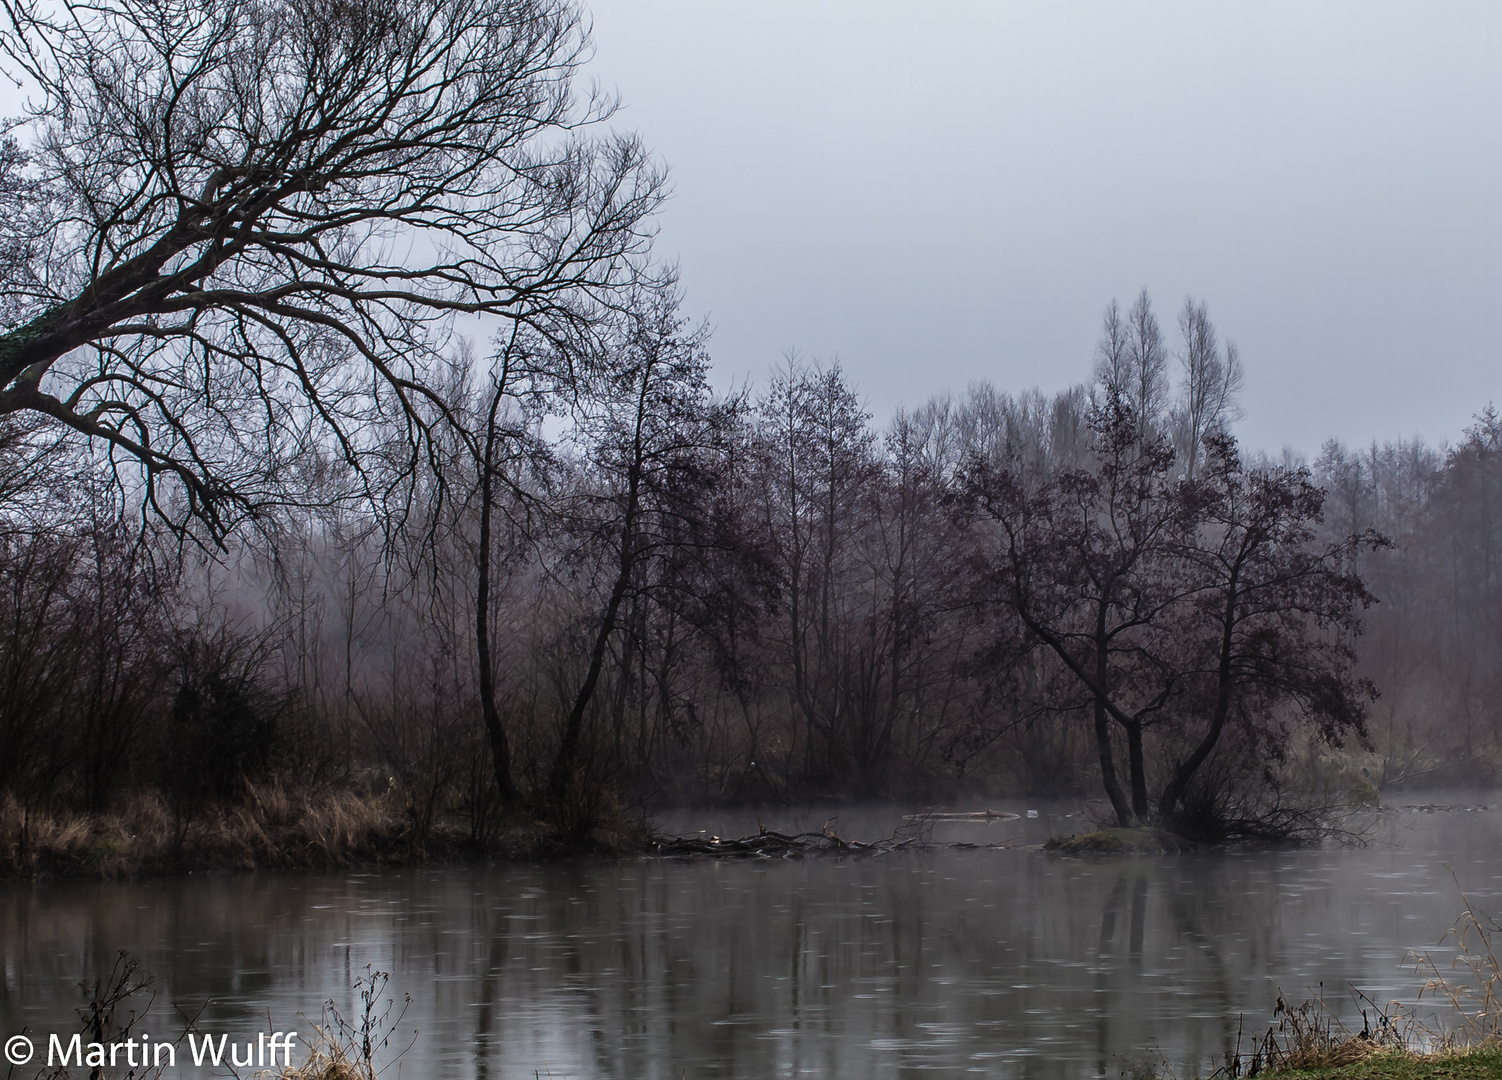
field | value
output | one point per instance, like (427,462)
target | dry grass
(1473,983)
(1308,1036)
(326,1061)
(359,1047)
(1308,1040)
(349,1048)
(272,828)
(1475,1063)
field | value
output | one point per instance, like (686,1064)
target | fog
(1011,436)
(904,559)
(940,196)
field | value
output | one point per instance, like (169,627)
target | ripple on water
(960,961)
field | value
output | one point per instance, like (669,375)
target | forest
(356,442)
(663,595)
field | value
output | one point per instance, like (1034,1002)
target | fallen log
(973,815)
(769,844)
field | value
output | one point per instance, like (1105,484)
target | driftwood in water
(973,815)
(767,844)
(770,844)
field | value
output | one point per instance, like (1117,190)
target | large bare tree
(236,231)
(1178,606)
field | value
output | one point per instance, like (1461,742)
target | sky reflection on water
(983,962)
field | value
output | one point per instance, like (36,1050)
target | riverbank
(272,829)
(276,829)
(1477,1063)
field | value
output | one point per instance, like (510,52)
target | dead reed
(359,1047)
(271,827)
(1473,983)
(1392,1041)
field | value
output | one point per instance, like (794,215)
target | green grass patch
(1478,1063)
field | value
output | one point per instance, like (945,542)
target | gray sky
(941,193)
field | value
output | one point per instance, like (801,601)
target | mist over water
(406,464)
(987,962)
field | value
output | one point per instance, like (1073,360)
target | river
(983,962)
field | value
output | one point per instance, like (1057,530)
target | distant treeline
(1433,644)
(692,597)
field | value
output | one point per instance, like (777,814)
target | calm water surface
(982,962)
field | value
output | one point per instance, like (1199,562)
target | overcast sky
(935,194)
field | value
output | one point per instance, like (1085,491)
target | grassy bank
(1307,1043)
(1295,1050)
(1310,1041)
(1476,1063)
(272,828)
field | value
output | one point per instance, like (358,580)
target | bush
(221,730)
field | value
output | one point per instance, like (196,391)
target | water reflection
(994,963)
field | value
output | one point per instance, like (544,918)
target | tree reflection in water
(1008,963)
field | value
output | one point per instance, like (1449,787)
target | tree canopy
(235,232)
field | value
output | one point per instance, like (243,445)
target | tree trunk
(495,731)
(573,728)
(1185,772)
(1124,815)
(1168,803)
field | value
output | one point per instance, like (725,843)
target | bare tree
(1268,627)
(646,423)
(489,466)
(1210,389)
(816,461)
(1078,554)
(1178,608)
(236,229)
(1131,365)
